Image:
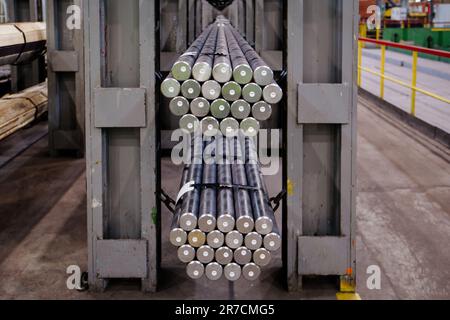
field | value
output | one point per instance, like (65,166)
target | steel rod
(225,205)
(232,272)
(222,70)
(195,270)
(242,71)
(179,106)
(170,87)
(214,271)
(191,200)
(208,203)
(244,215)
(182,68)
(262,111)
(178,236)
(262,73)
(202,69)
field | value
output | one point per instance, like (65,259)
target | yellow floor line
(347,296)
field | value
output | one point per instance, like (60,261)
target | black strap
(23,46)
(282,76)
(22,50)
(159,76)
(171,204)
(36,107)
(219,186)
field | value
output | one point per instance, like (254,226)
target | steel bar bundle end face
(243,74)
(197,238)
(188,222)
(262,111)
(245,224)
(178,237)
(207,223)
(272,242)
(200,107)
(191,89)
(252,93)
(251,272)
(222,72)
(211,90)
(205,254)
(202,71)
(234,239)
(241,109)
(186,253)
(215,239)
(232,272)
(226,223)
(189,123)
(179,106)
(264,225)
(229,127)
(220,109)
(170,88)
(214,271)
(231,91)
(210,126)
(224,255)
(195,270)
(181,71)
(250,127)
(262,257)
(253,241)
(242,256)
(263,75)
(272,93)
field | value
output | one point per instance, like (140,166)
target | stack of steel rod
(221,85)
(224,226)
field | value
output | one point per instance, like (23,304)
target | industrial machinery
(130,49)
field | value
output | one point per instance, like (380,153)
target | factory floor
(403,220)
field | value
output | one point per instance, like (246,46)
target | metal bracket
(275,202)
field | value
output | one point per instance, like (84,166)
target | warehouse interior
(345,149)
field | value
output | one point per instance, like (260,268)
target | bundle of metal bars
(224,224)
(221,85)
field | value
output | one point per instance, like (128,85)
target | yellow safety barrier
(415,55)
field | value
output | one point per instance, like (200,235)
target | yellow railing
(413,85)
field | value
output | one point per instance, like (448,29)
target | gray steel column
(293,174)
(65,80)
(321,141)
(122,152)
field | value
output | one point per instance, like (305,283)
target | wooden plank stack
(19,110)
(20,42)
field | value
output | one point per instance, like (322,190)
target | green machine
(423,37)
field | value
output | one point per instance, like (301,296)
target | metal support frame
(122,134)
(122,145)
(319,226)
(30,74)
(65,79)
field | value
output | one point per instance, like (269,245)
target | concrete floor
(433,76)
(403,220)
